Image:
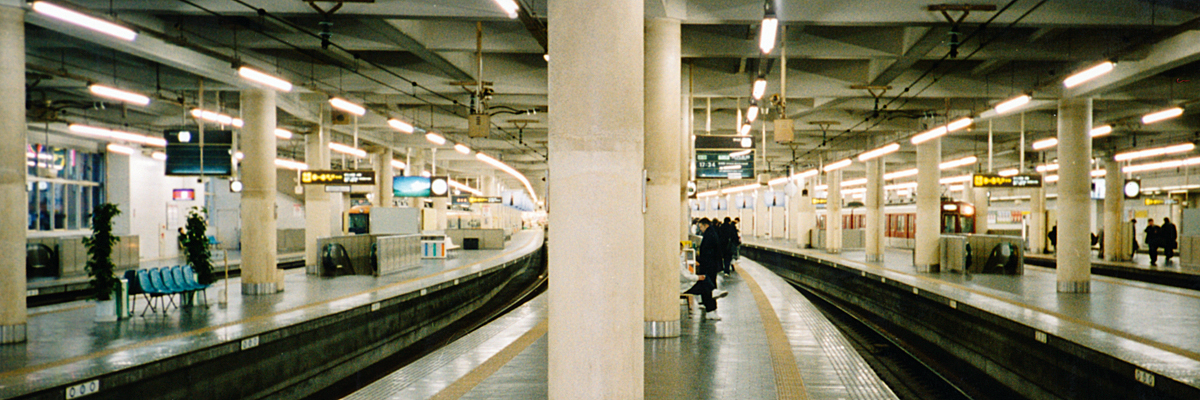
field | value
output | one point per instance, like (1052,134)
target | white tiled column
(873,231)
(260,272)
(664,197)
(1074,202)
(925,254)
(12,175)
(1115,234)
(833,215)
(317,208)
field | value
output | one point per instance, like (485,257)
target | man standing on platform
(1152,232)
(1166,238)
(709,263)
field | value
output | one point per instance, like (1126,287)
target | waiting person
(1152,240)
(729,235)
(1053,236)
(708,265)
(1166,238)
(1133,237)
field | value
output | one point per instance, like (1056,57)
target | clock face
(438,187)
(1133,188)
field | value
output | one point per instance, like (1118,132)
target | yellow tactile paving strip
(788,383)
(493,364)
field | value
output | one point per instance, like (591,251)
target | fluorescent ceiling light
(745,130)
(216,117)
(898,186)
(899,174)
(1096,173)
(462,148)
(426,174)
(400,125)
(158,155)
(882,151)
(929,135)
(435,138)
(283,133)
(959,124)
(504,167)
(117,94)
(709,193)
(837,165)
(510,7)
(1008,172)
(1088,74)
(854,182)
(766,36)
(344,149)
(962,162)
(807,174)
(955,179)
(1052,179)
(1012,104)
(289,164)
(264,78)
(397,164)
(760,88)
(1162,115)
(752,112)
(86,21)
(465,188)
(1101,130)
(345,105)
(117,135)
(1162,165)
(740,153)
(957,188)
(1045,143)
(116,148)
(1155,152)
(738,189)
(1046,168)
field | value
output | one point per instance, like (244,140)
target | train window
(968,224)
(948,223)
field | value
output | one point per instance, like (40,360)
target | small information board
(1015,181)
(320,177)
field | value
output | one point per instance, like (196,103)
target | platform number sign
(1145,377)
(83,389)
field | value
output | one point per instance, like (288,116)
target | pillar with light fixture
(979,198)
(762,212)
(926,256)
(596,274)
(317,209)
(1074,246)
(806,216)
(1037,220)
(874,202)
(13,314)
(833,211)
(1116,234)
(664,198)
(260,273)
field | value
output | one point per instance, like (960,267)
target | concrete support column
(318,213)
(806,218)
(13,314)
(980,200)
(260,274)
(664,194)
(926,257)
(1115,234)
(762,213)
(1037,221)
(1074,198)
(384,177)
(874,201)
(833,214)
(596,321)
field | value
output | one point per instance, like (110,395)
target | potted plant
(195,245)
(100,265)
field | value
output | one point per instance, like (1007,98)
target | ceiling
(407,59)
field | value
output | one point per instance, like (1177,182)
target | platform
(65,345)
(792,353)
(1147,325)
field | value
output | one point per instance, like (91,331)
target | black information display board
(724,164)
(1015,181)
(186,156)
(319,177)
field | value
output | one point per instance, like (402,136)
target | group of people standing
(718,248)
(1163,237)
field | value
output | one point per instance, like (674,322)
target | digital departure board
(724,164)
(1015,181)
(319,177)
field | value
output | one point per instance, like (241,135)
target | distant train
(900,221)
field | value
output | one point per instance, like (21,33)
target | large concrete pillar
(1074,201)
(317,209)
(664,194)
(1115,234)
(806,216)
(384,172)
(1037,221)
(874,201)
(981,202)
(761,212)
(12,175)
(260,274)
(925,254)
(440,204)
(596,323)
(833,215)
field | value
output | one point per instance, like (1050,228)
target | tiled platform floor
(65,344)
(1148,325)
(727,359)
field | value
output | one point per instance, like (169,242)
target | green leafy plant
(99,248)
(195,245)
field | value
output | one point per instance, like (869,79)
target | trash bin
(121,294)
(470,244)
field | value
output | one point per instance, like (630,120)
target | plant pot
(106,311)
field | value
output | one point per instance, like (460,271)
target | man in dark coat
(729,235)
(1152,232)
(1166,238)
(708,265)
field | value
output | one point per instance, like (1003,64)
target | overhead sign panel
(1015,181)
(319,177)
(724,164)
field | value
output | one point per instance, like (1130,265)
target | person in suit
(1166,238)
(1133,237)
(1152,240)
(708,265)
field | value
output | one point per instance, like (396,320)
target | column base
(874,257)
(662,329)
(1075,287)
(928,268)
(833,251)
(12,333)
(254,289)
